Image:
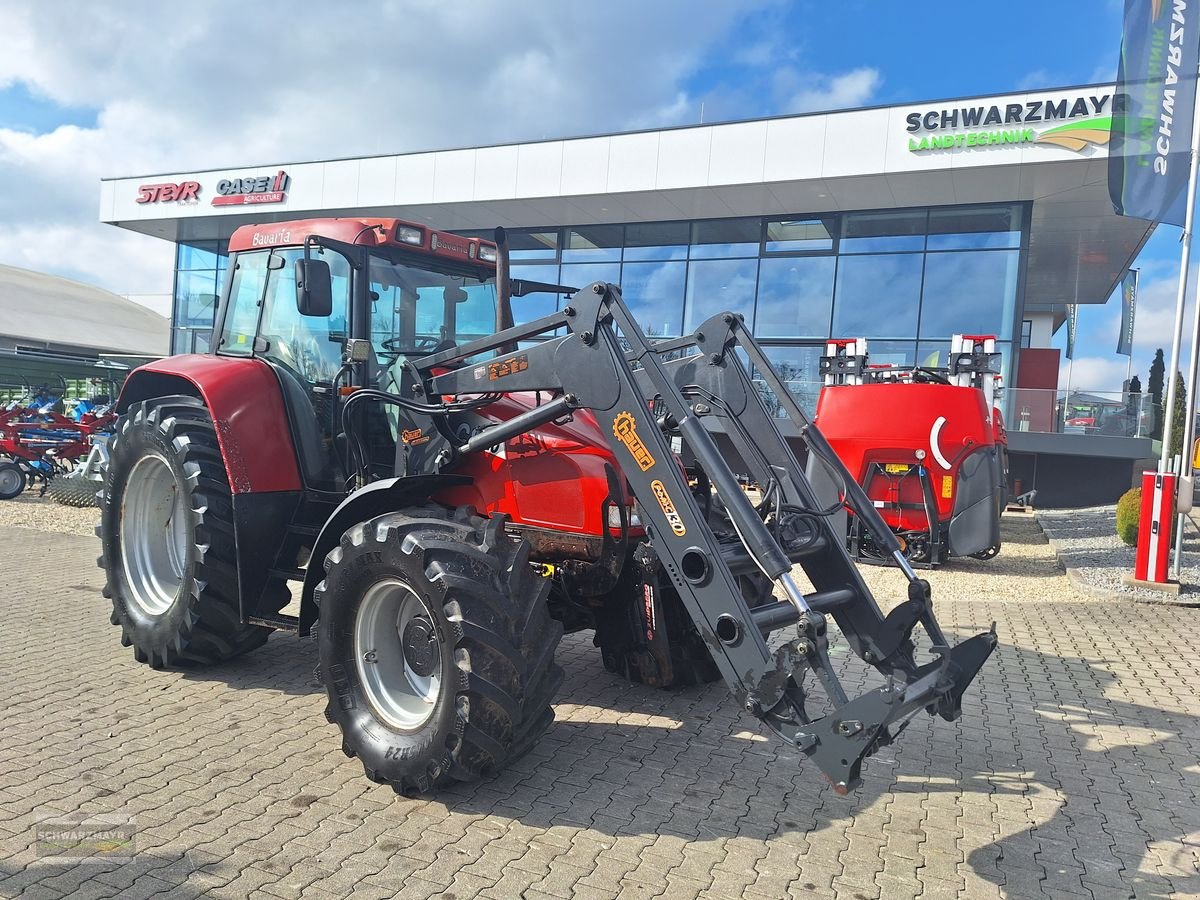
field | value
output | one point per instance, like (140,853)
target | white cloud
(853,88)
(201,85)
(1095,374)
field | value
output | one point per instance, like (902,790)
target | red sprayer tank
(927,445)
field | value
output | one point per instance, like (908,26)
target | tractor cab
(331,304)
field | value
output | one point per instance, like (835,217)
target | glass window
(197,255)
(1026,333)
(534,306)
(653,291)
(414,311)
(883,232)
(656,240)
(933,354)
(531,244)
(792,235)
(721,238)
(201,341)
(580,275)
(310,346)
(975,228)
(891,353)
(593,243)
(717,285)
(877,296)
(971,292)
(795,296)
(245,296)
(196,297)
(799,369)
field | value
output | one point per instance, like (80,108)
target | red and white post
(1154,527)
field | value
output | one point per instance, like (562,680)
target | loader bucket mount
(657,400)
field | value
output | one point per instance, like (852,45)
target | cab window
(308,345)
(249,275)
(415,312)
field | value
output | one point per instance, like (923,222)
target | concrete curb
(1076,577)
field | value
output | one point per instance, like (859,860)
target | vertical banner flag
(1128,308)
(1072,318)
(1148,149)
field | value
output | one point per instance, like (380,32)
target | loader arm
(603,362)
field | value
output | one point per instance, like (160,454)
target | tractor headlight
(614,516)
(408,235)
(487,253)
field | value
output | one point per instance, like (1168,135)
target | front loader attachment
(663,404)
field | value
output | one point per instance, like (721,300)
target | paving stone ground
(1072,773)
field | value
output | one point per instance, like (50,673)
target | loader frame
(654,399)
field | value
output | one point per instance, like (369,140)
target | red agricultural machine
(39,444)
(450,491)
(927,446)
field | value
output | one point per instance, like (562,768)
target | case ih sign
(252,189)
(169,192)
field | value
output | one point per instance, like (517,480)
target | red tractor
(927,445)
(451,491)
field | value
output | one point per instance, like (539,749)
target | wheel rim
(10,479)
(398,655)
(154,534)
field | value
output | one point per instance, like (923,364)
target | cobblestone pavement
(1073,772)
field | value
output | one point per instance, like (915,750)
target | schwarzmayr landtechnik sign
(1072,121)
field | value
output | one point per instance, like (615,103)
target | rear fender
(246,405)
(376,499)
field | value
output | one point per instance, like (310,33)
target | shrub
(1129,508)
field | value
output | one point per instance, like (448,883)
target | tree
(1155,388)
(1133,402)
(1178,417)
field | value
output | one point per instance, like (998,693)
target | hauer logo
(169,192)
(252,189)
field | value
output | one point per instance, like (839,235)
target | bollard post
(1154,526)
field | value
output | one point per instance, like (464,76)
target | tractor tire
(436,647)
(167,537)
(75,490)
(12,481)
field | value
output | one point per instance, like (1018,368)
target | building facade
(905,225)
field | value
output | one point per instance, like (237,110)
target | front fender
(376,499)
(246,405)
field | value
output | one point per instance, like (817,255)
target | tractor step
(279,621)
(287,574)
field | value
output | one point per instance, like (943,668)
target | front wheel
(437,647)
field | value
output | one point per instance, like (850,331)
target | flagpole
(1185,254)
(1180,303)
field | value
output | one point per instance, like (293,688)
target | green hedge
(1129,508)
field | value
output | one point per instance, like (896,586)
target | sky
(93,89)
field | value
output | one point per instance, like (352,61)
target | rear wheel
(167,535)
(12,480)
(437,647)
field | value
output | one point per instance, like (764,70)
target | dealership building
(902,224)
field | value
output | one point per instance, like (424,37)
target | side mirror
(314,288)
